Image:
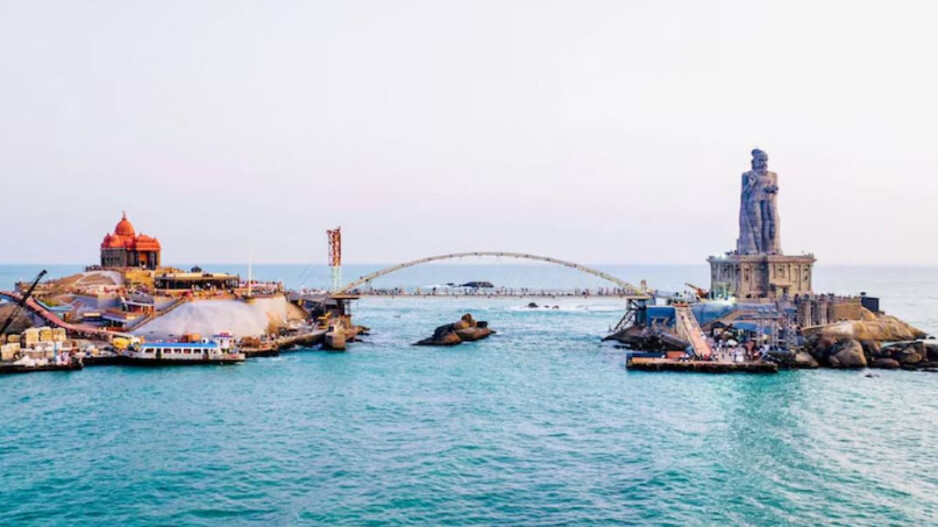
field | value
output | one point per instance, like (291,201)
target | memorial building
(758,268)
(125,248)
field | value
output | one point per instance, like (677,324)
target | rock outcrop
(884,328)
(847,354)
(804,360)
(885,364)
(800,360)
(831,349)
(878,341)
(466,329)
(910,355)
(837,353)
(479,331)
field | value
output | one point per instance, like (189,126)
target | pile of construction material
(35,342)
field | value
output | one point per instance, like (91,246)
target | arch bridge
(630,291)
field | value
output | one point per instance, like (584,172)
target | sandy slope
(207,317)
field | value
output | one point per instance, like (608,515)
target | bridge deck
(622,284)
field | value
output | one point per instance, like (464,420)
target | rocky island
(762,307)
(466,329)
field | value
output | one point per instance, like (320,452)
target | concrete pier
(700,366)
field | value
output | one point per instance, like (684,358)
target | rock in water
(466,321)
(885,364)
(466,329)
(931,350)
(442,336)
(789,359)
(909,356)
(804,360)
(847,354)
(472,334)
(478,330)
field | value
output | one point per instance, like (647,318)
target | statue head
(760,160)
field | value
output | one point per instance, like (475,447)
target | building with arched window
(126,248)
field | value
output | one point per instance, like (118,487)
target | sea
(539,425)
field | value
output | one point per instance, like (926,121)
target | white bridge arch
(630,290)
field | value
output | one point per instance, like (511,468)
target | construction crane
(699,291)
(22,302)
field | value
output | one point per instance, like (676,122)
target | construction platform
(699,366)
(272,348)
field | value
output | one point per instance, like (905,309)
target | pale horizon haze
(592,131)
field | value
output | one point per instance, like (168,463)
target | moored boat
(219,349)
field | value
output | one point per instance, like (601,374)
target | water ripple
(541,425)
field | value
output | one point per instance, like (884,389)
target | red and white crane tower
(335,256)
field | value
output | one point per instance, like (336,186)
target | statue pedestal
(760,275)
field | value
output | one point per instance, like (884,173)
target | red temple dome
(147,243)
(124,227)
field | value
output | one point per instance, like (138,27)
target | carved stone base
(760,275)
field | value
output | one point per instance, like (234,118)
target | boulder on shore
(847,354)
(794,360)
(872,348)
(885,364)
(840,353)
(907,352)
(910,355)
(885,328)
(804,360)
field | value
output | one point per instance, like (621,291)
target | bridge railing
(367,279)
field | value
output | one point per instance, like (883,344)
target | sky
(592,131)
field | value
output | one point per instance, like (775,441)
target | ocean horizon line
(480,264)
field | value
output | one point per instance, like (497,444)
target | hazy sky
(600,132)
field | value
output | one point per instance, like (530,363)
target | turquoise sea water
(539,425)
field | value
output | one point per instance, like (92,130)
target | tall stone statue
(758,209)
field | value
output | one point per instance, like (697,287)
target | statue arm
(772,187)
(749,181)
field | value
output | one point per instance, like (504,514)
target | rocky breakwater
(883,342)
(912,355)
(466,329)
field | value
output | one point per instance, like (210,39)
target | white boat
(219,349)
